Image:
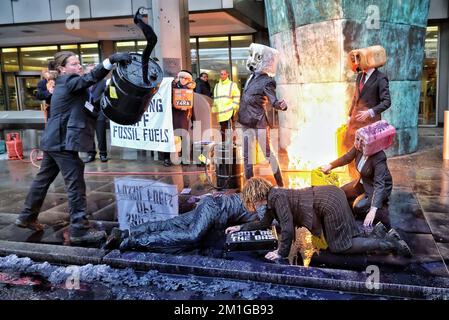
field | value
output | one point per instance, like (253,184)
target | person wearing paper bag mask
(370,193)
(372,93)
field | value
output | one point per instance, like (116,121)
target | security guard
(226,102)
(69,130)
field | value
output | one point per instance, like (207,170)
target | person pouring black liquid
(69,130)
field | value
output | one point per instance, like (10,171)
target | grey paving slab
(406,213)
(434,204)
(439,224)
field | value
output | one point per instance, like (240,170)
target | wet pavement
(419,211)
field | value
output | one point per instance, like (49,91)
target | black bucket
(127,96)
(228,166)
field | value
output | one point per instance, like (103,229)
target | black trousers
(72,169)
(100,130)
(262,137)
(225,126)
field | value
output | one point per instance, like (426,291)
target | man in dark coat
(202,85)
(70,130)
(252,114)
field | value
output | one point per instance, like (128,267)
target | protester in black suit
(370,193)
(95,94)
(371,98)
(70,130)
(319,209)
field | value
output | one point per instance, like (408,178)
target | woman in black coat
(319,209)
(369,195)
(69,130)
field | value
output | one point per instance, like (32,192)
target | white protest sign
(155,130)
(141,200)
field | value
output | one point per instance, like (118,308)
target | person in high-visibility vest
(226,102)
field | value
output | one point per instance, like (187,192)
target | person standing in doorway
(226,103)
(202,85)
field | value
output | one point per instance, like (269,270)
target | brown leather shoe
(32,225)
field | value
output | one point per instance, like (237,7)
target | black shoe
(90,236)
(393,234)
(128,243)
(379,231)
(32,225)
(103,158)
(89,158)
(167,163)
(115,238)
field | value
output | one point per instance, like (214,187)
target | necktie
(362,82)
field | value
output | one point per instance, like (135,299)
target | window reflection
(36,58)
(89,53)
(428,107)
(214,56)
(10,59)
(239,55)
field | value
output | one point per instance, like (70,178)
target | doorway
(428,104)
(20,89)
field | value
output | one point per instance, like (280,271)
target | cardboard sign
(183,99)
(140,201)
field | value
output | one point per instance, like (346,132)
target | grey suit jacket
(71,126)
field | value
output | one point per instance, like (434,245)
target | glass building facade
(21,69)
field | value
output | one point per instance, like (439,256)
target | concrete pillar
(314,38)
(170,21)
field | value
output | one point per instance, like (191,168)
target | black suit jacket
(375,95)
(377,181)
(71,126)
(251,112)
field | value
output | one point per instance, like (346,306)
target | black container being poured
(133,84)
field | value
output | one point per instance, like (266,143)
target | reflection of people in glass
(430,102)
(319,209)
(186,231)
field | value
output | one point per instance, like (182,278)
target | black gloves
(120,57)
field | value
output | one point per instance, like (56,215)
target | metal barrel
(228,166)
(127,96)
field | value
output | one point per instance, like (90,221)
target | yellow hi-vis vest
(226,99)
